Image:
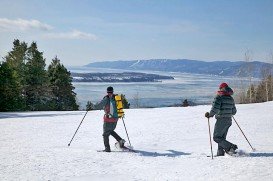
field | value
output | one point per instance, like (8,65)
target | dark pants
(220,133)
(108,129)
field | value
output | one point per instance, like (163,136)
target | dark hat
(223,85)
(110,89)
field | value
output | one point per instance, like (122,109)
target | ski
(115,151)
(239,153)
(124,148)
(102,151)
(120,149)
(230,155)
(213,156)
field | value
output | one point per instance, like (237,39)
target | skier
(110,119)
(223,108)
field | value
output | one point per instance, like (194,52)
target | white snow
(78,78)
(172,144)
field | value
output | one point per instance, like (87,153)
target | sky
(86,31)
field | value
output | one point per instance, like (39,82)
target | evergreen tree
(37,90)
(16,62)
(17,56)
(97,106)
(263,94)
(251,91)
(125,103)
(10,97)
(64,98)
(260,92)
(90,106)
(270,87)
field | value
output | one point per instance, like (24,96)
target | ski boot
(232,150)
(107,149)
(220,152)
(120,144)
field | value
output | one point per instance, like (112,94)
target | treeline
(261,91)
(26,84)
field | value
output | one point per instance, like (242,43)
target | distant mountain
(224,68)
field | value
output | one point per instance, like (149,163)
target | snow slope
(172,144)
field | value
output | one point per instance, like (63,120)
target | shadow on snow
(30,114)
(171,153)
(261,154)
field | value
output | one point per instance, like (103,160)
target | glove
(207,115)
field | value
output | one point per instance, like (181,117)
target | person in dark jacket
(223,108)
(110,119)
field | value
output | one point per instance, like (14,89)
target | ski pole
(77,129)
(243,134)
(210,140)
(126,132)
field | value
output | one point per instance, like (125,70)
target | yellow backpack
(119,106)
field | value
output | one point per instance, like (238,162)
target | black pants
(108,129)
(220,134)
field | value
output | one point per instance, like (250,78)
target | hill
(172,144)
(224,68)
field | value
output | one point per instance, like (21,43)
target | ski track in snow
(172,144)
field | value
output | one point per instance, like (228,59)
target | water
(199,89)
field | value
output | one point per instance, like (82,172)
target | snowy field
(172,144)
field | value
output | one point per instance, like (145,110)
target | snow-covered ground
(172,144)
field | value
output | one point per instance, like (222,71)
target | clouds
(23,25)
(75,34)
(44,30)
